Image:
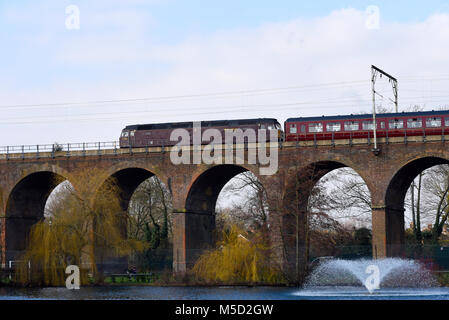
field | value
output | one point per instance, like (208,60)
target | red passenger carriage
(361,126)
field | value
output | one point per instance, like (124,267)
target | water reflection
(221,293)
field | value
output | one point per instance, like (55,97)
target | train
(362,126)
(158,134)
(351,126)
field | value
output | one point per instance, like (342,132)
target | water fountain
(387,278)
(393,272)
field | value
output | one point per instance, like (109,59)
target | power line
(324,103)
(206,110)
(183,97)
(219,94)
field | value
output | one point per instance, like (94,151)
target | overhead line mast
(394,82)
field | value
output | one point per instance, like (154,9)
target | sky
(155,61)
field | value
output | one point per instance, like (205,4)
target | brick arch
(124,166)
(293,217)
(25,206)
(196,224)
(395,196)
(318,169)
(402,178)
(44,167)
(127,179)
(204,190)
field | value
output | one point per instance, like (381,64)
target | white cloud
(126,62)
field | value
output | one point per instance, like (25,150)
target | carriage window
(414,123)
(396,124)
(382,125)
(447,122)
(433,122)
(316,127)
(351,126)
(333,126)
(303,128)
(293,128)
(368,125)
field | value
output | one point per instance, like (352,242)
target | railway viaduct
(27,179)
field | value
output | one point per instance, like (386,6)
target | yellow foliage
(236,260)
(85,224)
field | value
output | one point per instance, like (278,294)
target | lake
(222,293)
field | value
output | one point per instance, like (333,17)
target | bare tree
(303,207)
(149,220)
(415,206)
(438,181)
(428,201)
(249,205)
(150,204)
(346,196)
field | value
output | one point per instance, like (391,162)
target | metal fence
(56,147)
(113,147)
(50,150)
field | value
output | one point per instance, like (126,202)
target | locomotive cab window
(414,123)
(433,122)
(315,127)
(396,124)
(124,134)
(351,126)
(333,126)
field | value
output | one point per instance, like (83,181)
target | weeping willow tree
(82,227)
(236,260)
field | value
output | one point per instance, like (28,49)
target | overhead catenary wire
(227,110)
(142,112)
(219,94)
(119,117)
(324,103)
(296,104)
(191,96)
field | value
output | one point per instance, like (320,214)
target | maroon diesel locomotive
(158,134)
(361,126)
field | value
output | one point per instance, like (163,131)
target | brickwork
(195,187)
